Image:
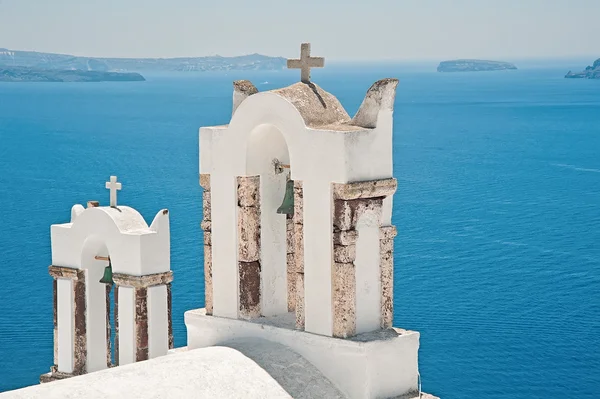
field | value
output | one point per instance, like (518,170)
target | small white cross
(306,62)
(113,186)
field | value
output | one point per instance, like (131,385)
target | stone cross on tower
(113,186)
(306,62)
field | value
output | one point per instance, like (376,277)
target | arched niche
(267,147)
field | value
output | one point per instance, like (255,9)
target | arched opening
(268,157)
(100,324)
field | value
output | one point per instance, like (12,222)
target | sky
(338,29)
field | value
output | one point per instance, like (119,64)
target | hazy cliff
(212,63)
(473,66)
(590,72)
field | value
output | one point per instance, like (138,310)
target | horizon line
(337,59)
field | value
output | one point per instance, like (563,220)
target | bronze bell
(107,277)
(287,206)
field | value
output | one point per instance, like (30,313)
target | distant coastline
(590,72)
(27,74)
(474,66)
(13,58)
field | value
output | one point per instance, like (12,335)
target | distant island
(27,74)
(474,66)
(11,58)
(590,72)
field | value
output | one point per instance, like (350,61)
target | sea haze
(497,259)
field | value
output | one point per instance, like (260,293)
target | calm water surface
(498,211)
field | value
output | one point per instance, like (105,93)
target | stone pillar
(170,316)
(291,264)
(55,320)
(108,329)
(142,335)
(116,319)
(298,235)
(206,226)
(386,248)
(141,324)
(350,202)
(77,323)
(248,200)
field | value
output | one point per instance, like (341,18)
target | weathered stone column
(141,324)
(206,226)
(386,247)
(78,324)
(248,200)
(298,275)
(55,320)
(351,201)
(142,286)
(170,316)
(116,319)
(108,329)
(291,264)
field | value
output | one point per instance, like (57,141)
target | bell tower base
(380,364)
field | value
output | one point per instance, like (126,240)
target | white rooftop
(216,372)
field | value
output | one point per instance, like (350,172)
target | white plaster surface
(224,254)
(318,305)
(318,155)
(209,373)
(126,325)
(158,321)
(134,248)
(295,374)
(368,274)
(95,303)
(65,325)
(375,365)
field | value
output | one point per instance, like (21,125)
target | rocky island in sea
(474,66)
(590,72)
(27,74)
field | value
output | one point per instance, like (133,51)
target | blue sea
(497,260)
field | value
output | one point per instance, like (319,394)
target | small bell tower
(109,256)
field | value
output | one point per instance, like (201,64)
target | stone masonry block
(248,191)
(299,247)
(206,225)
(300,301)
(344,253)
(345,237)
(208,284)
(249,289)
(344,300)
(387,289)
(80,325)
(249,234)
(290,237)
(205,181)
(148,280)
(298,203)
(206,207)
(347,213)
(365,189)
(291,288)
(386,245)
(387,232)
